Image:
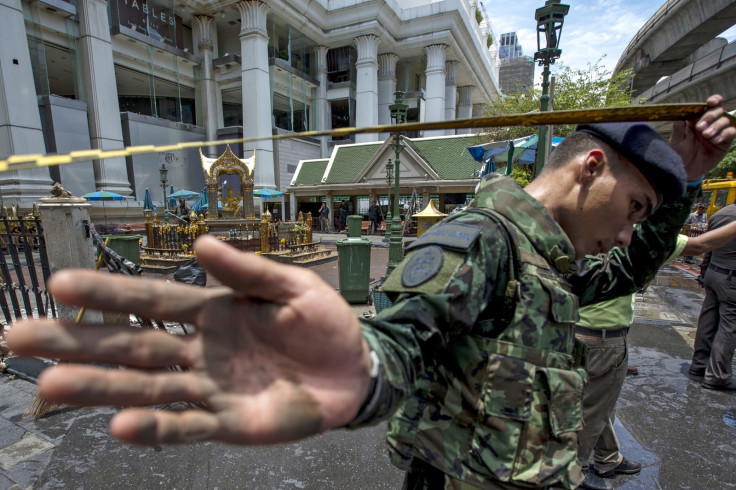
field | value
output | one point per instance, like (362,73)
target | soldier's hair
(577,143)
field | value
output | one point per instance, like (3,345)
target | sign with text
(153,18)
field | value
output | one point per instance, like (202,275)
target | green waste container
(127,246)
(354,263)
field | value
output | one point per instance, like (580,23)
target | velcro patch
(451,235)
(422,266)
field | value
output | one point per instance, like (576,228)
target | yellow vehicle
(722,192)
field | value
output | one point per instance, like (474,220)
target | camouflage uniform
(490,401)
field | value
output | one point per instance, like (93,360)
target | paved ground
(684,435)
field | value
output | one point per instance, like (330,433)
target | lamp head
(549,30)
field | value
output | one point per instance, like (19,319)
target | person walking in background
(715,337)
(344,211)
(374,217)
(324,218)
(698,216)
(604,327)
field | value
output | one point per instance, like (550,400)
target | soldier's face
(609,207)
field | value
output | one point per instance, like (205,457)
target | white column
(20,123)
(103,109)
(204,37)
(386,88)
(450,92)
(321,108)
(366,86)
(435,75)
(257,111)
(465,105)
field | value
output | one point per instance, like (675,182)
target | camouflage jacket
(490,402)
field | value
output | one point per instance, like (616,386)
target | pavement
(684,435)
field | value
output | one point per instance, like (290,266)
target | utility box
(354,263)
(127,246)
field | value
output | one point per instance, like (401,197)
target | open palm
(277,355)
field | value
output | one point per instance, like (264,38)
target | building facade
(88,74)
(515,71)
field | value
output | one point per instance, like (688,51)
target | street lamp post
(389,181)
(395,247)
(549,30)
(162,173)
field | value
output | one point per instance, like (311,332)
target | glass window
(342,116)
(721,197)
(341,64)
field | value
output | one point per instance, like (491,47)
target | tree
(590,88)
(728,164)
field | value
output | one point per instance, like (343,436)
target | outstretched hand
(278,355)
(703,143)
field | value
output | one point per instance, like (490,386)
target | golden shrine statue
(229,180)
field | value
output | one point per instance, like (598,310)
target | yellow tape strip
(649,113)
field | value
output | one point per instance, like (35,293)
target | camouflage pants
(423,476)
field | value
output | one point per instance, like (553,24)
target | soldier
(474,363)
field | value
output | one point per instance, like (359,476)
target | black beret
(648,151)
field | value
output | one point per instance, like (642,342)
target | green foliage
(478,15)
(489,41)
(728,164)
(522,174)
(590,88)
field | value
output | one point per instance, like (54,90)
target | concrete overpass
(667,42)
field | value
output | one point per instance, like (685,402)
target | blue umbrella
(267,193)
(148,202)
(103,196)
(184,194)
(203,202)
(172,202)
(522,150)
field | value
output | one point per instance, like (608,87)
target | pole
(544,107)
(395,245)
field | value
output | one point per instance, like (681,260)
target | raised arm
(701,144)
(711,239)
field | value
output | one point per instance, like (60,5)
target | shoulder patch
(422,266)
(451,235)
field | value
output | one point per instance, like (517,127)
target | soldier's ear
(590,165)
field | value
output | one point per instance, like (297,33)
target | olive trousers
(607,361)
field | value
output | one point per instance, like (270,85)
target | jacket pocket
(565,400)
(504,407)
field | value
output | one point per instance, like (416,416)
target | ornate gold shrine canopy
(229,180)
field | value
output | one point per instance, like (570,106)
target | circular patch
(422,266)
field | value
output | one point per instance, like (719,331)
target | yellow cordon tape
(648,113)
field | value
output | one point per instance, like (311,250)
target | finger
(714,100)
(247,273)
(150,428)
(115,345)
(718,131)
(81,385)
(149,298)
(714,111)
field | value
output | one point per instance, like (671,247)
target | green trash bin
(127,246)
(354,263)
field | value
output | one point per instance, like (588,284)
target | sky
(592,28)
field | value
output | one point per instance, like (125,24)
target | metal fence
(24,266)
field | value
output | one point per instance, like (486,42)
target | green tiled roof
(449,157)
(349,161)
(311,172)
